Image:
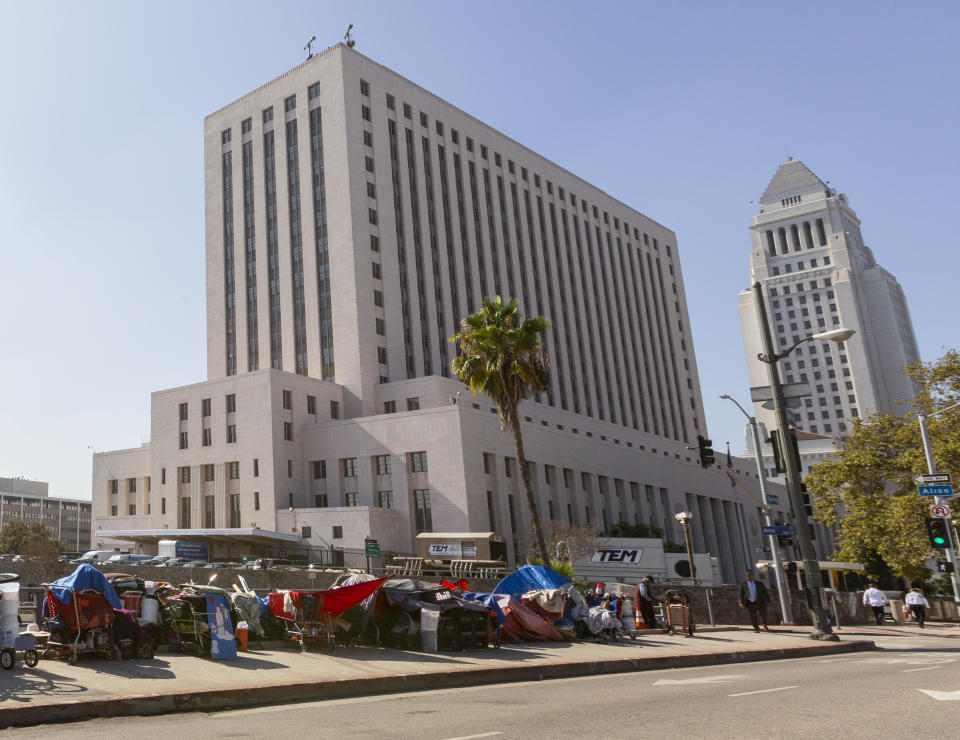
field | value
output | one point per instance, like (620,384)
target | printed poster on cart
(223,643)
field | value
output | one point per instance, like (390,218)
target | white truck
(628,559)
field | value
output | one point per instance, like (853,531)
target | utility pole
(932,469)
(778,571)
(811,567)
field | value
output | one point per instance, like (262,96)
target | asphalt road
(872,694)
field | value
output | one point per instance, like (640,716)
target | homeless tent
(415,614)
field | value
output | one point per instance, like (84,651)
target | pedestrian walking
(645,602)
(918,604)
(754,597)
(876,600)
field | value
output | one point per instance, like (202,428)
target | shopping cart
(677,613)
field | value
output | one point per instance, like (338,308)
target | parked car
(159,560)
(215,565)
(193,564)
(177,562)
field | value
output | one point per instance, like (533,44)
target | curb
(207,700)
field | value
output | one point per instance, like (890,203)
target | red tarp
(333,601)
(522,624)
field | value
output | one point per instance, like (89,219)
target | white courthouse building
(352,220)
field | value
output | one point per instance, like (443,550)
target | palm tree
(503,357)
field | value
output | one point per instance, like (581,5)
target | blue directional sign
(935,490)
(773,499)
(780,529)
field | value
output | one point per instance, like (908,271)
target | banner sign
(617,556)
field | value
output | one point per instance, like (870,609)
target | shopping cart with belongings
(308,616)
(79,622)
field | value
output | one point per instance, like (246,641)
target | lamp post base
(825,636)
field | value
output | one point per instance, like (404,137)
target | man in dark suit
(754,597)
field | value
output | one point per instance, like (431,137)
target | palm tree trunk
(538,540)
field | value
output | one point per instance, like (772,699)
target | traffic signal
(938,532)
(707,458)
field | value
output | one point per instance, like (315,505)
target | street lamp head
(835,335)
(683,517)
(724,395)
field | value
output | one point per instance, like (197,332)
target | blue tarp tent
(85,578)
(530,578)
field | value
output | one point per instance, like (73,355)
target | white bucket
(9,605)
(149,610)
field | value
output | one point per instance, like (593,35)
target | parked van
(95,556)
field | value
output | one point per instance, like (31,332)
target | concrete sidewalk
(54,691)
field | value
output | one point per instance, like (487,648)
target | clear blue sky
(682,110)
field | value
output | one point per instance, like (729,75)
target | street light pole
(932,468)
(684,518)
(778,573)
(811,568)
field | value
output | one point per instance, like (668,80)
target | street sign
(780,529)
(772,499)
(372,548)
(935,490)
(940,511)
(928,478)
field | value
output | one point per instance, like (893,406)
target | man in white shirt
(918,604)
(875,599)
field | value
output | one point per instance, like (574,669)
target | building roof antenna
(309,44)
(346,37)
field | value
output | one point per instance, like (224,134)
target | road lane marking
(933,667)
(942,695)
(472,737)
(764,691)
(700,679)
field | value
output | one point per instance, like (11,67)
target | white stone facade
(817,274)
(332,286)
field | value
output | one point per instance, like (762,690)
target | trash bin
(241,634)
(896,611)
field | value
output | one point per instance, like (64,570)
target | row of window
(229,403)
(416,463)
(788,266)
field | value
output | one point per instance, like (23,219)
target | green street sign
(372,548)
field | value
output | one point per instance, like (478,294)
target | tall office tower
(352,220)
(817,274)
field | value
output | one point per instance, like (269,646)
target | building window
(383,464)
(231,433)
(208,472)
(313,91)
(183,441)
(413,404)
(374,243)
(231,403)
(382,357)
(256,467)
(289,468)
(351,499)
(367,138)
(490,512)
(381,327)
(290,103)
(385,499)
(368,163)
(320,501)
(206,437)
(256,500)
(234,510)
(288,431)
(424,518)
(183,412)
(225,137)
(185,474)
(319,469)
(233,470)
(391,102)
(208,512)
(334,409)
(349,467)
(312,405)
(288,400)
(486,462)
(376,270)
(246,125)
(113,511)
(378,298)
(418,462)
(205,407)
(390,407)
(163,506)
(268,114)
(337,532)
(163,476)
(131,485)
(508,467)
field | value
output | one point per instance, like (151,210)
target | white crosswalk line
(764,691)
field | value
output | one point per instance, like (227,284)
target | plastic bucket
(132,601)
(241,635)
(149,610)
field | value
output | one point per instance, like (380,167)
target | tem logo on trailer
(617,556)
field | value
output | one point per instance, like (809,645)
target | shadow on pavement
(38,683)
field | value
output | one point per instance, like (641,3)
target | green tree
(867,488)
(502,356)
(41,553)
